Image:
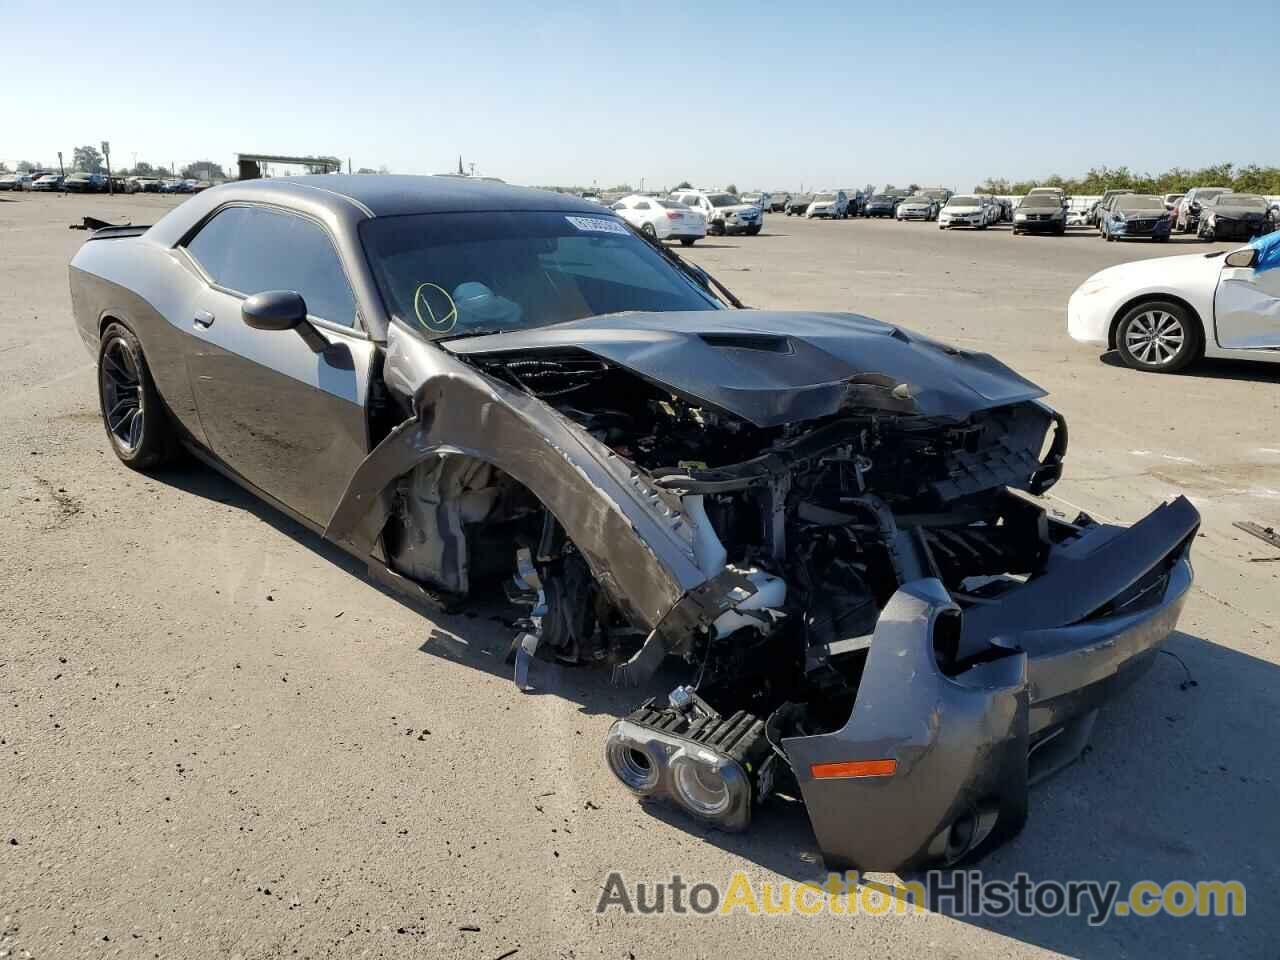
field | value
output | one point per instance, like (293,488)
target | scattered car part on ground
(1161,315)
(1134,215)
(1265,534)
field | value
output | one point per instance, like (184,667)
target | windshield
(446,274)
(823,197)
(723,199)
(670,205)
(1241,200)
(963,202)
(1045,199)
(1136,202)
(881,198)
(918,200)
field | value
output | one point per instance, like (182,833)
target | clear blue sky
(759,94)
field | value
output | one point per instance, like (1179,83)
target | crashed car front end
(832,522)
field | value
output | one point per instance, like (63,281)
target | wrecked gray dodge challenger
(828,525)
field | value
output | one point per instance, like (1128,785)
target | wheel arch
(1153,297)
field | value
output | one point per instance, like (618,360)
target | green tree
(203,170)
(731,188)
(321,168)
(143,169)
(366,170)
(87,158)
(683,185)
(26,166)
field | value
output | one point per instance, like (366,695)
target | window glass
(458,273)
(642,205)
(253,249)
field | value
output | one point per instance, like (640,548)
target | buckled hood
(771,367)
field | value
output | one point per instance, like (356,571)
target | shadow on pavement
(1244,371)
(1179,782)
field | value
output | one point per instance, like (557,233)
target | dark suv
(1042,210)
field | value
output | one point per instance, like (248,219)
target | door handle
(203,318)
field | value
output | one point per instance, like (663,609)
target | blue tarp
(1268,247)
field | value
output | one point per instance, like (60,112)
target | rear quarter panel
(144,287)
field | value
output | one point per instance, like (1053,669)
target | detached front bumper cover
(965,745)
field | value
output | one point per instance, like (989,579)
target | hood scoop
(748,341)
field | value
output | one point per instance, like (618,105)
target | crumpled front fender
(634,536)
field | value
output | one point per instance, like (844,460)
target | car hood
(771,367)
(1240,212)
(1179,271)
(738,208)
(1143,213)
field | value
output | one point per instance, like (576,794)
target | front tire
(753,231)
(649,231)
(1158,337)
(132,414)
(688,241)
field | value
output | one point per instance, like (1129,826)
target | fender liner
(634,536)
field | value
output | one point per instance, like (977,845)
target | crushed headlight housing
(712,767)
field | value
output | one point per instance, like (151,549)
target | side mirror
(1244,257)
(282,310)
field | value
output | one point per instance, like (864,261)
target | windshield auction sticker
(597,225)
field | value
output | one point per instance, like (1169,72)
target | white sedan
(663,219)
(1162,314)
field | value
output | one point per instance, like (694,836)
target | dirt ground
(218,739)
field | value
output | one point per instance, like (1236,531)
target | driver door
(288,420)
(1246,305)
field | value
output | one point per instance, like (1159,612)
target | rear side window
(253,249)
(642,205)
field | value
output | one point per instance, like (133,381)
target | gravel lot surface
(218,739)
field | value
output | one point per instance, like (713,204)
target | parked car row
(80,182)
(976,210)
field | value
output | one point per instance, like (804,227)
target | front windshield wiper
(696,274)
(474,332)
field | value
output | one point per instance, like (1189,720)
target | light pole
(106,153)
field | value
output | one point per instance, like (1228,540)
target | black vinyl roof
(388,195)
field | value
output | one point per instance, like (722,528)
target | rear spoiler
(102,230)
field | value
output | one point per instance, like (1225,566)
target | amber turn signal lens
(846,769)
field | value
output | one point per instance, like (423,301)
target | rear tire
(133,415)
(687,242)
(753,231)
(1158,337)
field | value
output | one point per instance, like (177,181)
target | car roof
(388,195)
